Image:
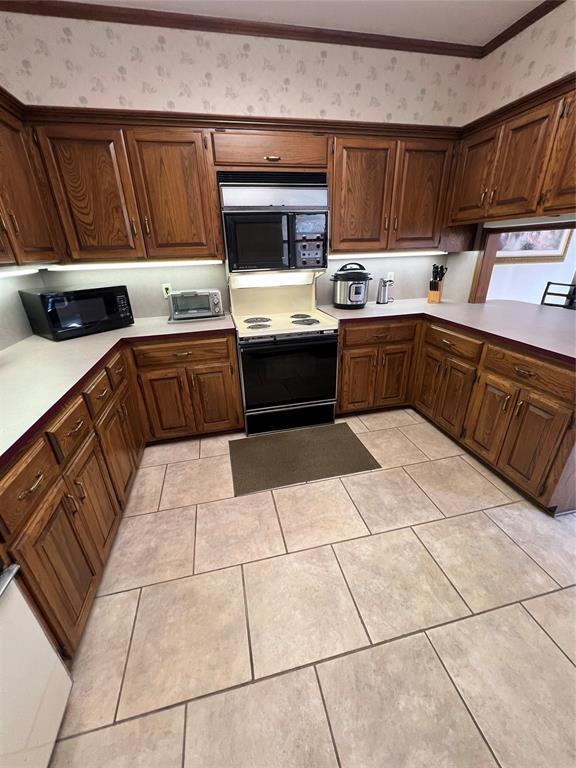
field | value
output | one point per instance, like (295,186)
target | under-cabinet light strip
(9,272)
(129,265)
(382,255)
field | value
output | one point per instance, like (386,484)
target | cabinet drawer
(549,378)
(269,148)
(455,343)
(98,393)
(181,352)
(70,429)
(116,370)
(376,333)
(26,483)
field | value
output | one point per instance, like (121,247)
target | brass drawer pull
(448,342)
(518,408)
(491,200)
(505,403)
(102,394)
(395,223)
(272,158)
(33,488)
(74,502)
(523,372)
(119,370)
(181,354)
(133,226)
(147,226)
(193,381)
(386,223)
(3,224)
(77,427)
(82,489)
(482,197)
(15,223)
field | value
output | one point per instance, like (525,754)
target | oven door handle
(280,346)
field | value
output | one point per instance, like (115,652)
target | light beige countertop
(548,330)
(37,373)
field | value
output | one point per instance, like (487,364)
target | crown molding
(144,17)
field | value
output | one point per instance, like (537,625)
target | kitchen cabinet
(430,370)
(521,162)
(215,397)
(474,166)
(491,408)
(392,377)
(560,183)
(88,170)
(456,387)
(357,378)
(56,567)
(362,193)
(532,439)
(171,180)
(28,220)
(420,183)
(117,441)
(269,148)
(93,498)
(7,255)
(168,402)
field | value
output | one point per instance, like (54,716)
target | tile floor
(422,614)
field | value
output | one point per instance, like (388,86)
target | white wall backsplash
(14,325)
(458,280)
(67,62)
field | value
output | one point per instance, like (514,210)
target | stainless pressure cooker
(350,286)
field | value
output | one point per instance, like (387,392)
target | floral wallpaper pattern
(94,64)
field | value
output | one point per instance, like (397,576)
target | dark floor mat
(296,456)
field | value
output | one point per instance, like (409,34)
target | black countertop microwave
(60,315)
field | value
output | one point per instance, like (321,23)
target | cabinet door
(88,170)
(536,429)
(521,162)
(393,373)
(357,378)
(419,193)
(94,498)
(171,180)
(430,367)
(455,390)
(57,567)
(491,409)
(6,252)
(168,402)
(130,407)
(476,157)
(560,183)
(30,215)
(215,397)
(362,193)
(118,450)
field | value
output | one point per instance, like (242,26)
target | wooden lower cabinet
(457,381)
(93,497)
(357,378)
(430,369)
(215,397)
(168,402)
(53,550)
(117,443)
(393,373)
(536,428)
(489,414)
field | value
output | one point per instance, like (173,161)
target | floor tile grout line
(162,488)
(328,722)
(247,618)
(283,672)
(415,444)
(343,484)
(352,595)
(531,615)
(127,656)
(511,501)
(520,547)
(279,520)
(430,499)
(462,699)
(184,736)
(195,538)
(454,587)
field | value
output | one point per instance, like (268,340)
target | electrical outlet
(166,289)
(390,276)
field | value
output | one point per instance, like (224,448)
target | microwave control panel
(123,306)
(311,252)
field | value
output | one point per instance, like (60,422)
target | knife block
(435,296)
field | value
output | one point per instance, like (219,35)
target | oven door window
(191,305)
(257,240)
(289,373)
(75,310)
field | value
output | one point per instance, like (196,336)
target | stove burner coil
(249,320)
(300,316)
(257,326)
(306,321)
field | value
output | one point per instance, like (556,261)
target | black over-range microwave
(60,315)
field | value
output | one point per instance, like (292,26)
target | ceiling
(470,22)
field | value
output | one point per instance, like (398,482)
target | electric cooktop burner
(306,321)
(257,326)
(299,316)
(249,320)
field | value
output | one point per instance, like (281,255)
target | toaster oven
(192,305)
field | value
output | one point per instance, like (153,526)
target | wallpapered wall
(81,63)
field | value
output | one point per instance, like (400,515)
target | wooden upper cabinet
(521,162)
(474,167)
(269,149)
(29,220)
(7,255)
(171,180)
(419,193)
(89,173)
(560,183)
(362,193)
